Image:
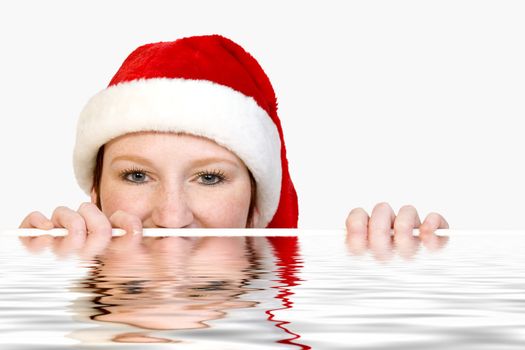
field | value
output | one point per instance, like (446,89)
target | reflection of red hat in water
(206,86)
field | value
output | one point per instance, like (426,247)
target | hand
(375,232)
(89,230)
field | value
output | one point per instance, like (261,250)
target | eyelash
(217,173)
(126,172)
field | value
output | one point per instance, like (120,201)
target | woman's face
(174,181)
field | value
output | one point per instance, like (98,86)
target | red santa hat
(206,86)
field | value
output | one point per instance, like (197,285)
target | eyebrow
(132,158)
(211,160)
(196,163)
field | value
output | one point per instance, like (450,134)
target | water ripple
(238,293)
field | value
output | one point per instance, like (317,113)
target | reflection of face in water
(139,288)
(173,283)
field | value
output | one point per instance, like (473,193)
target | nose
(171,210)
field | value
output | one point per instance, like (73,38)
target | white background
(418,102)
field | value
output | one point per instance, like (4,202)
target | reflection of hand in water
(384,233)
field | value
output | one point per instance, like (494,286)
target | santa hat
(206,86)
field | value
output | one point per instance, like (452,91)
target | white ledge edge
(163,232)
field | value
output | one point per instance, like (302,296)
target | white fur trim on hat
(197,107)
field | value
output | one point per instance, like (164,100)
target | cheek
(223,208)
(131,199)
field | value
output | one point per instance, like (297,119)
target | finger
(357,231)
(433,222)
(98,227)
(76,227)
(36,220)
(129,223)
(379,231)
(96,222)
(381,221)
(69,219)
(427,235)
(407,219)
(404,241)
(357,222)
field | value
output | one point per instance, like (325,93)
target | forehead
(167,145)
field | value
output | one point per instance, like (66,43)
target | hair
(97,178)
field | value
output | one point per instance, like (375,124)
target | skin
(383,232)
(175,291)
(170,180)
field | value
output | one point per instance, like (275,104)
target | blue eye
(211,178)
(134,176)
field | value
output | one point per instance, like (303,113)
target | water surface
(258,293)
